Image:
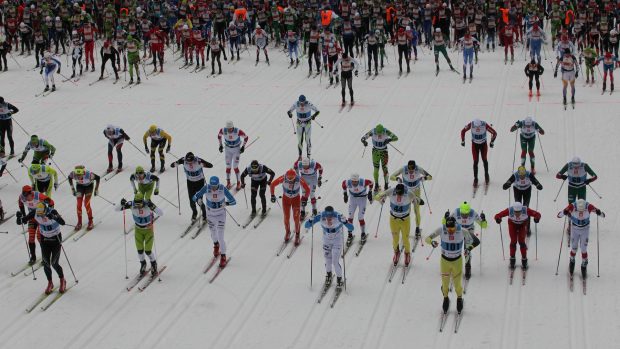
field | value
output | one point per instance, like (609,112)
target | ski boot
(467,271)
(530,93)
(612,84)
(302,215)
(339,283)
(63,285)
(604,86)
(223,261)
(584,268)
(418,234)
(216,249)
(53,88)
(138,79)
(47,88)
(486,178)
(78,226)
(228,184)
(33,260)
(93,68)
(396,257)
(363,237)
(349,239)
(328,278)
(264,213)
(446,304)
(162,167)
(537,93)
(512,262)
(73,75)
(297,239)
(524,263)
(475,181)
(407,258)
(572,100)
(343,102)
(130,81)
(154,270)
(253,213)
(50,287)
(152,170)
(459,304)
(385,186)
(571,265)
(564,100)
(90,225)
(287,236)
(238,187)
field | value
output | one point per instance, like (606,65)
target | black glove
(483,217)
(273,198)
(370,196)
(462,143)
(562,176)
(320,181)
(536,220)
(290,115)
(173,165)
(304,202)
(41,71)
(151,205)
(498,220)
(19,219)
(20,160)
(146,149)
(221,148)
(387,141)
(363,142)
(492,144)
(123,202)
(506,185)
(242,149)
(168,149)
(127,137)
(539,186)
(242,185)
(566,212)
(356,73)
(576,74)
(588,181)
(346,197)
(446,215)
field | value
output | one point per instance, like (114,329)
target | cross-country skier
(116,136)
(43,178)
(570,71)
(312,172)
(577,174)
(412,176)
(108,52)
(148,183)
(589,54)
(400,223)
(467,217)
(144,213)
(468,44)
(49,222)
(305,112)
(234,140)
(258,184)
(50,65)
(332,223)
(529,129)
(522,181)
(291,200)
(579,215)
(133,57)
(609,64)
(160,139)
(6,124)
(86,185)
(536,38)
(347,65)
(359,189)
(381,137)
(31,199)
(479,148)
(216,197)
(42,150)
(439,46)
(262,40)
(451,266)
(518,221)
(193,166)
(534,70)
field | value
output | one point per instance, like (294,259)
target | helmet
(40,209)
(437,30)
(185,27)
(580,205)
(465,208)
(450,222)
(329,209)
(139,170)
(34,139)
(26,189)
(79,171)
(305,162)
(399,189)
(290,174)
(355,177)
(35,168)
(411,164)
(328,212)
(576,160)
(529,120)
(152,128)
(302,98)
(257,26)
(229,124)
(517,207)
(214,181)
(254,165)
(521,171)
(377,32)
(58,18)
(379,128)
(129,37)
(190,156)
(408,28)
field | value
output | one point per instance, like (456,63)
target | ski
(23,268)
(570,282)
(294,248)
(200,228)
(38,301)
(7,217)
(136,280)
(56,297)
(457,321)
(584,285)
(523,276)
(96,81)
(486,188)
(348,246)
(261,218)
(85,231)
(281,248)
(210,265)
(151,279)
(511,275)
(442,321)
(113,173)
(359,248)
(136,84)
(474,192)
(127,85)
(465,283)
(405,272)
(34,268)
(336,296)
(342,107)
(393,269)
(350,107)
(324,290)
(248,221)
(219,270)
(416,241)
(189,228)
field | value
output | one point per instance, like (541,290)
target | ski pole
(233,218)
(401,153)
(600,197)
(428,203)
(138,149)
(58,167)
(364,152)
(318,123)
(501,236)
(168,201)
(536,227)
(178,191)
(32,266)
(10,174)
(556,197)
(246,197)
(67,258)
(311,254)
(20,126)
(344,265)
(379,221)
(106,200)
(67,79)
(252,142)
(125,241)
(514,154)
(543,152)
(293,126)
(598,252)
(430,254)
(561,243)
(4,232)
(481,249)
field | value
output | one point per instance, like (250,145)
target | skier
(31,199)
(293,43)
(157,38)
(144,213)
(453,237)
(159,138)
(76,49)
(609,64)
(108,52)
(332,223)
(468,45)
(43,178)
(466,217)
(381,137)
(42,149)
(372,42)
(51,65)
(439,46)
(518,221)
(6,124)
(291,200)
(216,197)
(529,128)
(116,136)
(403,49)
(306,112)
(258,184)
(262,40)
(146,183)
(347,66)
(534,70)
(88,32)
(312,172)
(479,131)
(570,71)
(87,184)
(216,49)
(233,40)
(193,166)
(536,37)
(589,55)
(522,181)
(234,140)
(509,43)
(133,57)
(400,223)
(49,222)
(576,173)
(313,49)
(413,176)
(356,188)
(579,215)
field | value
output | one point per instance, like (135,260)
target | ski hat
(377,32)
(580,205)
(408,28)
(254,165)
(305,162)
(79,170)
(290,174)
(450,223)
(41,209)
(465,208)
(517,207)
(576,160)
(152,128)
(613,32)
(437,30)
(328,212)
(521,171)
(257,26)
(214,182)
(355,177)
(477,122)
(34,139)
(229,124)
(379,128)
(139,170)
(399,189)
(302,98)
(190,156)
(411,164)
(528,120)
(26,190)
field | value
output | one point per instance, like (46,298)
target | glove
(127,137)
(290,115)
(320,181)
(513,128)
(600,213)
(462,143)
(469,247)
(541,132)
(446,215)
(506,185)
(96,192)
(566,212)
(588,181)
(576,74)
(123,202)
(356,72)
(135,191)
(221,148)
(492,144)
(273,198)
(428,177)
(173,165)
(434,244)
(346,197)
(19,219)
(55,186)
(73,191)
(483,217)
(168,149)
(561,176)
(536,220)
(156,192)
(387,141)
(20,160)
(498,220)
(242,185)
(242,149)
(41,71)
(146,149)
(363,142)
(370,196)
(555,74)
(199,202)
(539,187)
(315,115)
(304,202)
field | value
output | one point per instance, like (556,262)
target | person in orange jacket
(291,200)
(518,221)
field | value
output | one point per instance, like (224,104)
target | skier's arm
(539,129)
(219,136)
(230,199)
(566,211)
(274,184)
(381,195)
(498,217)
(178,162)
(97,180)
(200,194)
(306,189)
(493,133)
(145,137)
(310,222)
(132,178)
(429,238)
(464,130)
(54,215)
(204,163)
(168,138)
(534,214)
(156,180)
(535,181)
(13,109)
(392,136)
(560,174)
(51,148)
(54,176)
(394,176)
(125,136)
(243,175)
(591,173)
(481,220)
(270,173)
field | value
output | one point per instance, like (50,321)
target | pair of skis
(343,105)
(24,268)
(444,319)
(218,270)
(251,218)
(395,266)
(79,233)
(325,289)
(292,249)
(584,284)
(511,274)
(195,224)
(475,190)
(143,276)
(46,300)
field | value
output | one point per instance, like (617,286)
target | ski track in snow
(263,300)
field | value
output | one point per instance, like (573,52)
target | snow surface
(265,301)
